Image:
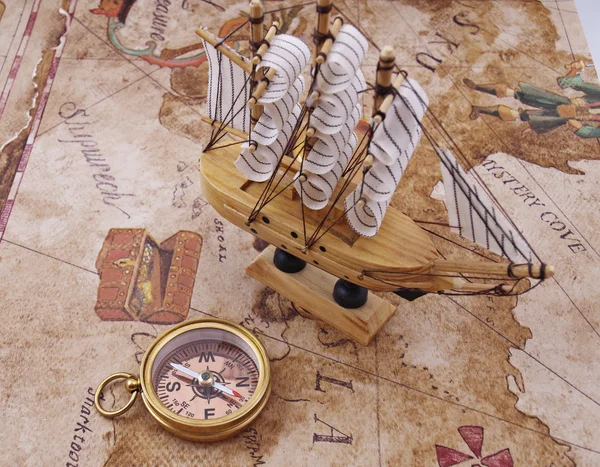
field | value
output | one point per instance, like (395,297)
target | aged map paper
(100,108)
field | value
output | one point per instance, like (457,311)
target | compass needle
(188,398)
(185,370)
(226,390)
(209,389)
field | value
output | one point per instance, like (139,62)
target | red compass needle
(225,397)
(215,384)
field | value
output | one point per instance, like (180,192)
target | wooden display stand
(401,258)
(312,290)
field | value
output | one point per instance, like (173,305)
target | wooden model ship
(315,181)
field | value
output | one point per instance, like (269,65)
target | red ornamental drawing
(473,437)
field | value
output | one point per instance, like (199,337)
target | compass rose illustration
(473,437)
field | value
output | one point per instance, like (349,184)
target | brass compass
(203,380)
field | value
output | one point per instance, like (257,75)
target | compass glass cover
(205,374)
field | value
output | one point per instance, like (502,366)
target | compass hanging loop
(132,385)
(181,388)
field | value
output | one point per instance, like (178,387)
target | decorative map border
(19,56)
(24,159)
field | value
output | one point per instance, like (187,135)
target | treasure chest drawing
(142,280)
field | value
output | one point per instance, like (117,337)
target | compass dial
(205,374)
(203,380)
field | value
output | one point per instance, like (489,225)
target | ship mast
(385,92)
(257,18)
(321,57)
(225,50)
(324,8)
(319,136)
(385,67)
(265,78)
(321,35)
(259,45)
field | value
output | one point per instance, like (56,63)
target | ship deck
(400,246)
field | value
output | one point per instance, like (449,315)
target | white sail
(344,59)
(392,145)
(275,114)
(259,165)
(472,213)
(334,110)
(288,55)
(228,90)
(329,148)
(340,82)
(367,219)
(397,136)
(318,188)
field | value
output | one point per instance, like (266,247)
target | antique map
(100,104)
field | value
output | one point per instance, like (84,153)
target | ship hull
(401,252)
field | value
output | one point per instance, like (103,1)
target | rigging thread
(272,188)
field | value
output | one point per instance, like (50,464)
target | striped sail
(228,90)
(472,213)
(288,55)
(318,188)
(276,114)
(340,82)
(335,151)
(344,59)
(330,147)
(393,144)
(259,165)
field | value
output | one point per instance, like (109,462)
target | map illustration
(100,104)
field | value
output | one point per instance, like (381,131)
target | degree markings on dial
(243,369)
